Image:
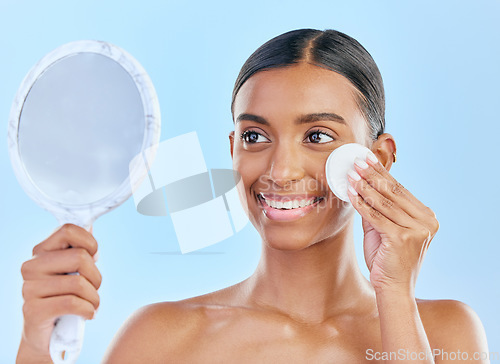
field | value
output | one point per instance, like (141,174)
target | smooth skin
(307,301)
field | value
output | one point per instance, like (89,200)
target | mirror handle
(67,338)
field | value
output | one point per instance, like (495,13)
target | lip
(287,215)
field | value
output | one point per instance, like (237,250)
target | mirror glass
(81,124)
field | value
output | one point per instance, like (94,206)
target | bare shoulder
(152,331)
(452,325)
(164,329)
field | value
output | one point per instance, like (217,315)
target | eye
(319,137)
(252,137)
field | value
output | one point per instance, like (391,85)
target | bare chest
(254,341)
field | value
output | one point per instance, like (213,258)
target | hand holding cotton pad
(339,162)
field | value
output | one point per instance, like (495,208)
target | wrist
(395,297)
(27,355)
(396,303)
(395,291)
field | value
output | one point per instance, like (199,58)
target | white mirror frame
(69,212)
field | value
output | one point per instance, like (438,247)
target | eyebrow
(304,119)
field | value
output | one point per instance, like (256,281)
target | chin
(286,245)
(287,240)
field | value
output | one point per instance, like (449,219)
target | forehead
(301,89)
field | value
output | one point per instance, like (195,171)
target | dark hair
(329,49)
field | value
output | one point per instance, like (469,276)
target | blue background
(440,63)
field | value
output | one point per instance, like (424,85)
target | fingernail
(354,175)
(96,256)
(372,157)
(361,163)
(352,190)
(95,313)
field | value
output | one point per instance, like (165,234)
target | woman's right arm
(49,292)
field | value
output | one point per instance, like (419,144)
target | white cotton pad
(338,164)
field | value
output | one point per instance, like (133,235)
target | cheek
(314,168)
(250,166)
(242,194)
(250,170)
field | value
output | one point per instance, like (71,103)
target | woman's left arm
(398,229)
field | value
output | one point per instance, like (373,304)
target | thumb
(367,227)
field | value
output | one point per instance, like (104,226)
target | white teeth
(278,204)
(288,205)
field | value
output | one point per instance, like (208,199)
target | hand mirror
(80,116)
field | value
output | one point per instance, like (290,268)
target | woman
(297,98)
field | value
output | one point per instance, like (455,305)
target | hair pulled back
(328,49)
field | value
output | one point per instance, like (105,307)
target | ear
(385,149)
(231,142)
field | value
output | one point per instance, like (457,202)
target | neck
(312,284)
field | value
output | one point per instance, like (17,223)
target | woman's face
(287,122)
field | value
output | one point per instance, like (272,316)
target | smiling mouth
(288,204)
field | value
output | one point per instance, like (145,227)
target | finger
(68,235)
(379,178)
(61,262)
(382,181)
(41,310)
(394,184)
(378,202)
(59,286)
(380,222)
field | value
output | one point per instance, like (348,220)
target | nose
(286,165)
